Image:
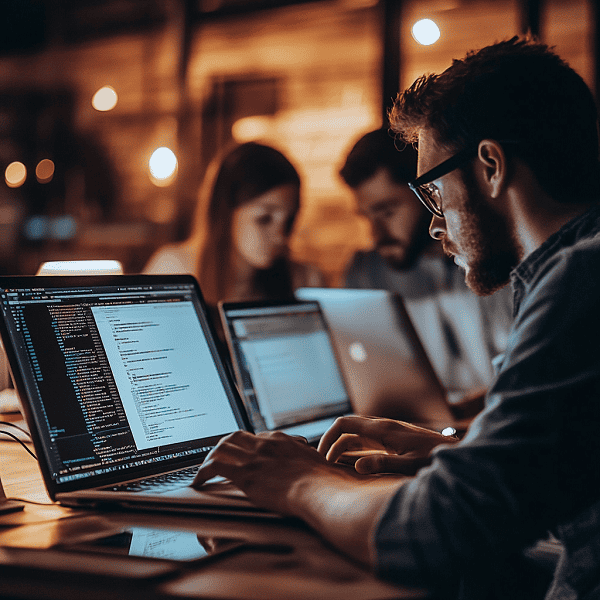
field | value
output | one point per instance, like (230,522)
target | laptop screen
(285,363)
(119,374)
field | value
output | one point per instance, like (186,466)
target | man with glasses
(508,165)
(462,332)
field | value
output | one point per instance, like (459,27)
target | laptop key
(163,482)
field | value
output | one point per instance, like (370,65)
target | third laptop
(285,365)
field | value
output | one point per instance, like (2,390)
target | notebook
(383,360)
(285,366)
(122,387)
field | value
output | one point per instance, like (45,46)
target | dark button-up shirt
(530,462)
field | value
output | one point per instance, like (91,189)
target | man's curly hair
(517,90)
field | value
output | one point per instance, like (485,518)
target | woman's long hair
(242,174)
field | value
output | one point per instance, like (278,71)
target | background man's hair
(375,150)
(519,90)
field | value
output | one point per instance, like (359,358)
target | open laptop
(285,366)
(383,360)
(122,387)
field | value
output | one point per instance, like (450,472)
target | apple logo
(357,352)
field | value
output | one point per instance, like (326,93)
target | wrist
(303,495)
(346,510)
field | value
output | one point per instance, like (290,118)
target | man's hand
(284,474)
(383,445)
(267,467)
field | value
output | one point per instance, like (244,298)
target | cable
(14,437)
(32,502)
(16,427)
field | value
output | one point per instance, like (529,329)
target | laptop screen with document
(119,375)
(285,365)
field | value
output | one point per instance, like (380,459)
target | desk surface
(311,570)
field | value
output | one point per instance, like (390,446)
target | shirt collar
(576,229)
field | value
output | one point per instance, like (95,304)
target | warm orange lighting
(15,174)
(105,99)
(249,129)
(81,267)
(163,211)
(44,171)
(163,167)
(426,32)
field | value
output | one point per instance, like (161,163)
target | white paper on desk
(169,545)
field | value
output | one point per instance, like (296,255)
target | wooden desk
(312,570)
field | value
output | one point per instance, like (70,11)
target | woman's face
(260,228)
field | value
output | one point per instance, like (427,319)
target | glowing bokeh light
(81,267)
(105,99)
(36,228)
(426,32)
(163,166)
(15,174)
(249,129)
(44,171)
(62,228)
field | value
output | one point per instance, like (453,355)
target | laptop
(285,366)
(122,387)
(387,369)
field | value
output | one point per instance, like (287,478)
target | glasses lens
(431,198)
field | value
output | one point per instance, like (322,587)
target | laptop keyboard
(158,483)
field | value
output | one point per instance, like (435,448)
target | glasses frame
(422,186)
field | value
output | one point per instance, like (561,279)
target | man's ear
(494,166)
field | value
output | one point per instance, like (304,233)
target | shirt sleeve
(360,273)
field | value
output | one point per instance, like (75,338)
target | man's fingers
(239,453)
(352,443)
(225,456)
(344,443)
(388,463)
(208,470)
(353,424)
(225,463)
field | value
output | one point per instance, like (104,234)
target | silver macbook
(122,387)
(285,366)
(386,367)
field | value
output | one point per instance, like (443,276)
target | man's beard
(488,242)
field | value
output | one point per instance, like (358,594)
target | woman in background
(239,246)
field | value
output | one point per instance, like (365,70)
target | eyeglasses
(427,192)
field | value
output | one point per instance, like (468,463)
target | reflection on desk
(309,569)
(9,400)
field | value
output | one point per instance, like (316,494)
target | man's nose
(437,228)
